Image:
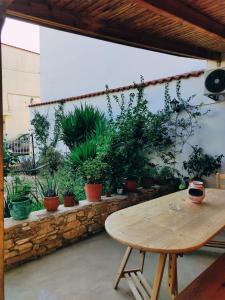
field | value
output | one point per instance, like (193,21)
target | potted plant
(149,175)
(19,198)
(94,171)
(69,198)
(131,183)
(201,165)
(50,193)
(108,188)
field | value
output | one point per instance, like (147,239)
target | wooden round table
(169,225)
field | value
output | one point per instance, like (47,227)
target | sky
(21,34)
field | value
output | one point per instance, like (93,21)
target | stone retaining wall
(45,232)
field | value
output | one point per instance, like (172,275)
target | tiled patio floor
(85,271)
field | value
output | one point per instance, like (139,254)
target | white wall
(72,65)
(212,132)
(21,82)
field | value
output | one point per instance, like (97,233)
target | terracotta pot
(93,192)
(147,182)
(196,191)
(108,194)
(69,201)
(131,185)
(51,203)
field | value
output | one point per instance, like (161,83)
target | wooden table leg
(142,254)
(122,266)
(158,276)
(172,275)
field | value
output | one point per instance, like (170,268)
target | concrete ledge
(44,232)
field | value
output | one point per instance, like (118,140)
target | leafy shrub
(127,149)
(48,187)
(41,127)
(66,180)
(83,152)
(18,190)
(81,124)
(9,159)
(200,164)
(27,166)
(94,171)
(51,159)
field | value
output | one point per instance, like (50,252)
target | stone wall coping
(39,215)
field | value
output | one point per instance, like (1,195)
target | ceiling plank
(6,3)
(38,12)
(176,10)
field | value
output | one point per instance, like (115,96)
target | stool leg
(142,254)
(172,275)
(158,276)
(122,266)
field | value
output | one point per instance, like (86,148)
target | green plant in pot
(66,183)
(94,172)
(201,165)
(149,174)
(69,198)
(131,183)
(49,191)
(19,198)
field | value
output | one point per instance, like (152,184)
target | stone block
(46,227)
(71,225)
(22,241)
(71,218)
(19,258)
(52,237)
(41,250)
(8,244)
(24,247)
(91,213)
(70,234)
(80,213)
(60,220)
(10,254)
(54,244)
(25,228)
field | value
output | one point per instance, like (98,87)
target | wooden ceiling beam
(6,3)
(178,11)
(40,13)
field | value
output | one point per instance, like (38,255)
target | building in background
(74,65)
(21,87)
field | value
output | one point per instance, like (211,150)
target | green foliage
(200,164)
(127,148)
(82,152)
(27,165)
(66,180)
(9,159)
(41,127)
(41,130)
(150,171)
(48,187)
(18,190)
(37,205)
(52,159)
(57,131)
(181,126)
(81,124)
(94,171)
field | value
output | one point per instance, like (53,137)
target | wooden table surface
(169,224)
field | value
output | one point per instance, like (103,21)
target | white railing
(20,145)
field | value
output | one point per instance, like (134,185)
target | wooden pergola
(190,28)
